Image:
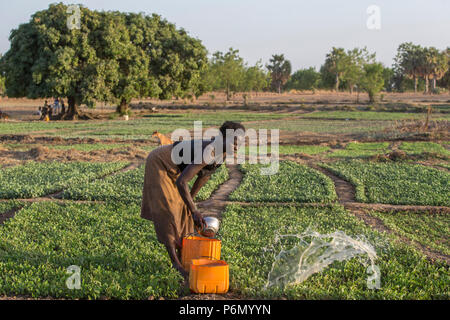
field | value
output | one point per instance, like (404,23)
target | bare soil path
(215,205)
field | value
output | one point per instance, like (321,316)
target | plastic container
(195,247)
(209,276)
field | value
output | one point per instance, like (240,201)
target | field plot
(247,231)
(431,230)
(86,147)
(117,251)
(36,179)
(287,149)
(354,150)
(127,187)
(293,183)
(421,147)
(141,128)
(395,183)
(372,115)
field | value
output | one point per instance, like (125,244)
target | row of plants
(428,229)
(127,187)
(249,235)
(35,179)
(394,183)
(292,182)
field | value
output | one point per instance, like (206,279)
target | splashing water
(311,252)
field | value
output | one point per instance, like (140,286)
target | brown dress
(161,200)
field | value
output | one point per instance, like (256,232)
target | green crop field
(395,183)
(405,273)
(372,115)
(36,179)
(356,150)
(286,149)
(292,183)
(116,250)
(127,187)
(431,230)
(420,147)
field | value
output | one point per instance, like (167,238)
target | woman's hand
(199,222)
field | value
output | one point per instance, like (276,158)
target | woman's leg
(174,257)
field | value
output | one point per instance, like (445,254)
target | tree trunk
(351,89)
(371,96)
(228,92)
(434,84)
(122,108)
(73,112)
(415,84)
(337,82)
(426,84)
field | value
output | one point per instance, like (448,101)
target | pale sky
(304,30)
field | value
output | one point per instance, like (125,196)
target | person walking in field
(166,198)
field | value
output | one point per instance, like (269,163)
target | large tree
(111,57)
(280,71)
(47,59)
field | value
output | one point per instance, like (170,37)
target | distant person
(39,112)
(63,107)
(44,110)
(56,106)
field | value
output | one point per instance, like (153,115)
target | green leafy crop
(395,183)
(36,179)
(293,182)
(249,231)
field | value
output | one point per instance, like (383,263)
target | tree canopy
(112,57)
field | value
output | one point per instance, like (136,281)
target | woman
(166,198)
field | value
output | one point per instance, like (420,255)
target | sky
(303,30)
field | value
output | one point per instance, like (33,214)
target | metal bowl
(211,227)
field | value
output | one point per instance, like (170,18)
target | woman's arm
(182,184)
(198,184)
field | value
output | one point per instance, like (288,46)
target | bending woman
(166,198)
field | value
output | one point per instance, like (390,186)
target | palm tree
(280,70)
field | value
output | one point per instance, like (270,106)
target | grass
(356,150)
(421,147)
(249,231)
(430,230)
(293,183)
(36,179)
(117,251)
(395,183)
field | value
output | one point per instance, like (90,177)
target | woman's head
(236,129)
